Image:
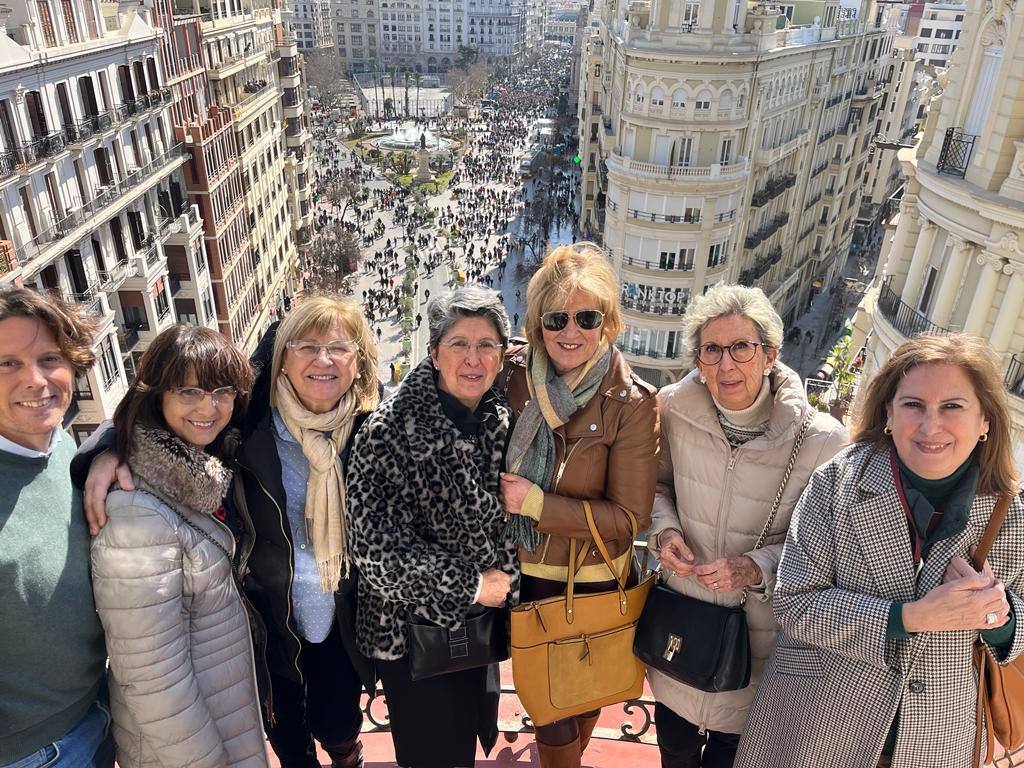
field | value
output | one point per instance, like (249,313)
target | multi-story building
(938,32)
(92,204)
(722,143)
(240,181)
(898,123)
(311,23)
(956,260)
(355,26)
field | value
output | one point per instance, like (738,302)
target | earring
(983,438)
(703,379)
(767,372)
(887,430)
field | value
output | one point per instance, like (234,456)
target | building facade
(723,143)
(90,180)
(310,22)
(939,31)
(956,259)
(356,33)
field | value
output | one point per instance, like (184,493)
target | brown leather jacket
(607,454)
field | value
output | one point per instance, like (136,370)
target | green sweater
(51,641)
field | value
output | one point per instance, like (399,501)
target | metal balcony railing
(955,154)
(654,307)
(903,317)
(645,351)
(677,266)
(1014,380)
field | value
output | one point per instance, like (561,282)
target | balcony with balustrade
(637,169)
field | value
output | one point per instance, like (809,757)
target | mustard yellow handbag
(574,653)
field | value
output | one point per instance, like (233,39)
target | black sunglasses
(586,319)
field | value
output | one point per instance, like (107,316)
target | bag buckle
(675,642)
(458,643)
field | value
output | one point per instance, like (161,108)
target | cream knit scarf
(321,436)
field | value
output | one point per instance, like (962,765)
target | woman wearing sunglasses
(182,681)
(317,383)
(728,432)
(586,428)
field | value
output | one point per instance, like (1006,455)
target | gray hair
(472,300)
(723,300)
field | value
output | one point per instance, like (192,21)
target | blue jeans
(89,743)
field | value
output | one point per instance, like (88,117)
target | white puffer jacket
(182,681)
(720,499)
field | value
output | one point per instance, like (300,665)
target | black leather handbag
(703,645)
(482,640)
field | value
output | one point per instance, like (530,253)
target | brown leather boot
(586,725)
(565,756)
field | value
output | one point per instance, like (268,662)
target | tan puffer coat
(182,681)
(720,499)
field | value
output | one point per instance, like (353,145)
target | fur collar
(178,473)
(427,427)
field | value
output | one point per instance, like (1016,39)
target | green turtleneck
(936,491)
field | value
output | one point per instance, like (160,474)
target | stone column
(951,278)
(922,252)
(908,223)
(1009,309)
(984,293)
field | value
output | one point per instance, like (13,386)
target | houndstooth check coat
(834,682)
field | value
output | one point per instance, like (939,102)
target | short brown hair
(583,267)
(319,313)
(72,327)
(976,358)
(215,361)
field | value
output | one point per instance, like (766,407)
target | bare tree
(334,253)
(341,192)
(326,72)
(469,83)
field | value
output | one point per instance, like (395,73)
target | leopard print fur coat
(424,517)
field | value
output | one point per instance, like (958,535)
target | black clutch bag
(703,645)
(483,639)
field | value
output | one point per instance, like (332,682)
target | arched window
(704,99)
(679,99)
(741,99)
(725,100)
(638,95)
(658,97)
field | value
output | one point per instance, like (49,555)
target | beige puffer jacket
(182,681)
(720,499)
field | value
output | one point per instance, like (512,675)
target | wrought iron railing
(956,152)
(651,307)
(903,317)
(1014,380)
(682,265)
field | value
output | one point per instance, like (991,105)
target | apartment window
(70,27)
(944,34)
(824,215)
(26,205)
(704,100)
(716,254)
(725,156)
(929,286)
(926,32)
(657,97)
(684,150)
(46,22)
(108,363)
(690,12)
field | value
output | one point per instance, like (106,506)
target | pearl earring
(703,379)
(887,430)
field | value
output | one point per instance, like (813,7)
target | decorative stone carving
(994,33)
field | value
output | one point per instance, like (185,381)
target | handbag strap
(777,502)
(995,522)
(797,443)
(620,580)
(205,535)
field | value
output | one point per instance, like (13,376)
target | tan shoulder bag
(1000,687)
(574,653)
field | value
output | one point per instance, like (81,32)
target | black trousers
(682,744)
(435,722)
(326,708)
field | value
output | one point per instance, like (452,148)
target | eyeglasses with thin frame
(485,350)
(740,351)
(586,319)
(196,395)
(339,349)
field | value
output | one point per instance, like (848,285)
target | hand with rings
(728,574)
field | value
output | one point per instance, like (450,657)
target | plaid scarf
(553,401)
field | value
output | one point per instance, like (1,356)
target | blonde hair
(319,314)
(579,267)
(974,357)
